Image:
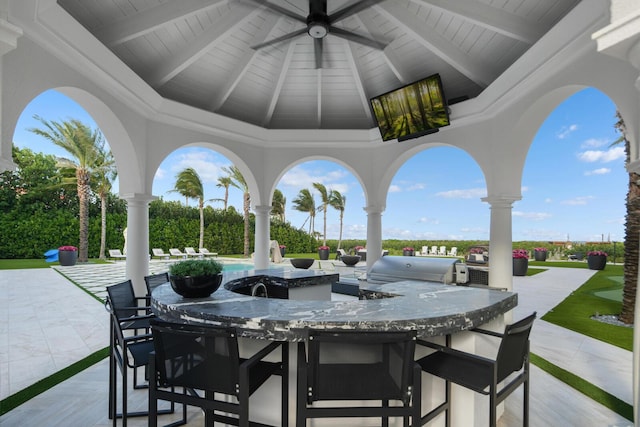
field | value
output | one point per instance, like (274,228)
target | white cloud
(595,143)
(601,171)
(394,188)
(577,201)
(548,200)
(406,186)
(566,130)
(609,155)
(160,174)
(208,170)
(470,193)
(533,216)
(425,220)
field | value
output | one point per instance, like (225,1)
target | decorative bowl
(195,286)
(302,262)
(350,259)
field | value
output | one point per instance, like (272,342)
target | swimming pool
(236,267)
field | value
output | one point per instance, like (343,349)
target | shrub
(195,267)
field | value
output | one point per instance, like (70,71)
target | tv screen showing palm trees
(412,110)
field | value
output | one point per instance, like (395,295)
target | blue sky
(574,183)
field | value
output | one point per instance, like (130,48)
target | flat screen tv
(413,110)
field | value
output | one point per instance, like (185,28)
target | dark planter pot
(301,262)
(596,262)
(282,251)
(195,286)
(520,266)
(350,260)
(323,254)
(407,253)
(540,255)
(67,258)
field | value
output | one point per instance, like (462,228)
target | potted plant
(195,278)
(408,251)
(520,262)
(596,260)
(540,254)
(323,252)
(67,255)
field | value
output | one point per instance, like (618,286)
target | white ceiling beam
(492,18)
(355,66)
(481,73)
(278,87)
(147,20)
(238,14)
(242,66)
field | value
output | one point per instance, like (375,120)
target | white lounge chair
(424,251)
(191,253)
(442,251)
(159,253)
(205,252)
(434,250)
(453,251)
(116,254)
(177,253)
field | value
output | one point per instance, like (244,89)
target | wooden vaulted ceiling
(202,52)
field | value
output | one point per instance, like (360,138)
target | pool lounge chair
(205,252)
(177,253)
(159,253)
(116,254)
(191,253)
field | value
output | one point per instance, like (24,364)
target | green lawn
(16,264)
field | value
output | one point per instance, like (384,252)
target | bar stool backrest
(514,347)
(154,280)
(122,300)
(203,358)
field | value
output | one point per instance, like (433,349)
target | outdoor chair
(340,253)
(481,374)
(206,253)
(116,254)
(191,253)
(442,251)
(434,250)
(424,250)
(453,251)
(154,280)
(361,366)
(130,344)
(205,362)
(159,253)
(177,253)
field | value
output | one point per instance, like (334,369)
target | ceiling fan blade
(279,39)
(318,52)
(281,10)
(356,37)
(350,10)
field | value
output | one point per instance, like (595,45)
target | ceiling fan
(319,24)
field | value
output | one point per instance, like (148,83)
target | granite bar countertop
(430,308)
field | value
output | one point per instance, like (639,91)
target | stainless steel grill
(397,268)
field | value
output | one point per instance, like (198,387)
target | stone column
(374,234)
(262,236)
(137,239)
(9,35)
(500,241)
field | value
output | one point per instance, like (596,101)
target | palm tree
(632,230)
(238,181)
(278,203)
(304,202)
(324,196)
(225,182)
(105,173)
(338,202)
(189,184)
(81,142)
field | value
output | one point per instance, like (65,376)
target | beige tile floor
(62,324)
